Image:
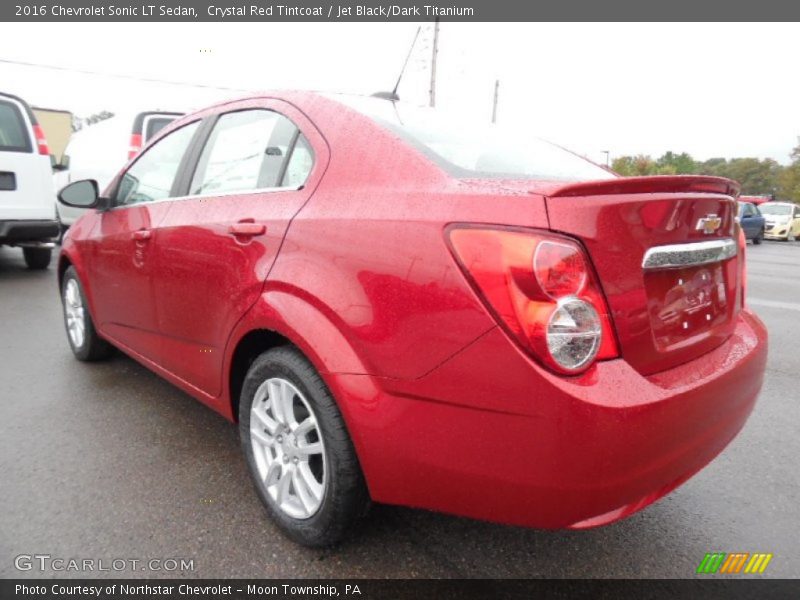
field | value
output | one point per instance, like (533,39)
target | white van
(99,151)
(27,192)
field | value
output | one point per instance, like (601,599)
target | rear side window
(155,124)
(152,175)
(13,131)
(247,150)
(299,165)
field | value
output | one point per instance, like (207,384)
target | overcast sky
(707,89)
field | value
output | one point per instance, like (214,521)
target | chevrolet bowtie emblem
(709,224)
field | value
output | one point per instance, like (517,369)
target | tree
(789,181)
(79,123)
(634,166)
(756,176)
(675,164)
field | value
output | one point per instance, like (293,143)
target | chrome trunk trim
(675,256)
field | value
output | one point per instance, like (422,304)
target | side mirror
(81,194)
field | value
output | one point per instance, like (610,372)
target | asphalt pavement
(108,461)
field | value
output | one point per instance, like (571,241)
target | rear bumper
(14,232)
(490,435)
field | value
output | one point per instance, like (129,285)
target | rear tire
(759,237)
(37,258)
(82,336)
(320,500)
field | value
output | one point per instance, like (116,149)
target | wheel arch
(281,317)
(254,343)
(64,263)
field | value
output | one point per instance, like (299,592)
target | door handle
(247,229)
(141,235)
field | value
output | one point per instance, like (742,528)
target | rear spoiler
(658,184)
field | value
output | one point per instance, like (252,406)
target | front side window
(247,150)
(13,135)
(152,175)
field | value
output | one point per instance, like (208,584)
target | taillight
(541,288)
(743,263)
(41,141)
(135,146)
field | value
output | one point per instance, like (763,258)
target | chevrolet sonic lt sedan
(404,309)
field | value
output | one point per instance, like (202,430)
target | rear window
(13,132)
(154,125)
(468,149)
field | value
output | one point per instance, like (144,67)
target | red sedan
(403,309)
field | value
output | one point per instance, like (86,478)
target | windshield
(781,210)
(470,149)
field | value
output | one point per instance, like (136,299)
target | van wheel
(759,237)
(83,339)
(298,451)
(37,258)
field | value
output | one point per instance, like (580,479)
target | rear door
(26,187)
(260,163)
(665,250)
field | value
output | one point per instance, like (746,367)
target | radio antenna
(393,94)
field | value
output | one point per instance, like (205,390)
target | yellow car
(782,220)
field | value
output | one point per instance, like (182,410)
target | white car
(782,220)
(99,151)
(27,192)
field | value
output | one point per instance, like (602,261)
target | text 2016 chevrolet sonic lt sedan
(403,309)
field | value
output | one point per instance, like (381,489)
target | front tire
(37,259)
(298,450)
(82,336)
(759,238)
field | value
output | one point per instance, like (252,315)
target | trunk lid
(666,253)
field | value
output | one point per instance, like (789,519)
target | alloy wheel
(74,313)
(288,448)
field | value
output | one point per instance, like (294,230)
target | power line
(118,76)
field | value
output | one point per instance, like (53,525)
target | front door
(123,245)
(260,164)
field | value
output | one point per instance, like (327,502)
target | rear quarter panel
(368,250)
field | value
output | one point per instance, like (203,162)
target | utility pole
(494,104)
(608,155)
(433,61)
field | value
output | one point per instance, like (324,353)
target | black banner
(417,589)
(395,10)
